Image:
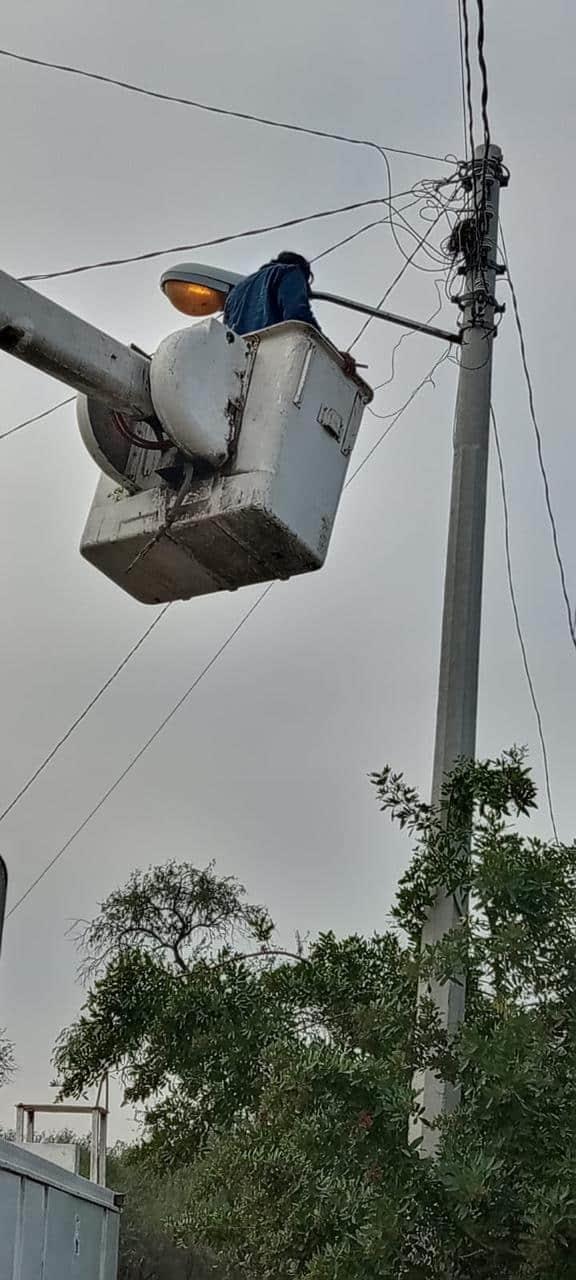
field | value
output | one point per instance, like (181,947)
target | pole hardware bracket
(480,299)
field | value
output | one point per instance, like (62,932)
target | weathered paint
(54,1225)
(269,512)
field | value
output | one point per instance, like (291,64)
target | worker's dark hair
(289,259)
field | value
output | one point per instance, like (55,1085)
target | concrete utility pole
(459,660)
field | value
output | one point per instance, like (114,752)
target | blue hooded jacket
(276,292)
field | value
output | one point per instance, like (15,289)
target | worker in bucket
(276,292)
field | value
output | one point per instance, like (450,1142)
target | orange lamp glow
(194,299)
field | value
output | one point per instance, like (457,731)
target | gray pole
(458,684)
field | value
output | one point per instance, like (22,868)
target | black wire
(218,111)
(468,71)
(409,334)
(378,222)
(83,714)
(140,753)
(405,220)
(539,448)
(395,281)
(463,78)
(398,414)
(517,623)
(339,243)
(204,244)
(483,73)
(37,417)
(484,106)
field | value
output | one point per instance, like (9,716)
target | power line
(396,280)
(398,412)
(378,222)
(483,105)
(204,244)
(517,623)
(367,226)
(410,334)
(37,418)
(219,111)
(134,761)
(468,75)
(483,73)
(539,448)
(229,638)
(462,77)
(102,690)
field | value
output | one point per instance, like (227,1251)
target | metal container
(54,1225)
(269,511)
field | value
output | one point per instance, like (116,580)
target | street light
(198,290)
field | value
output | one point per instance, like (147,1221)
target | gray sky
(266,767)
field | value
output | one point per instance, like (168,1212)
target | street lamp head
(196,289)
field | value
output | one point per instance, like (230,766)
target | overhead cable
(409,334)
(367,226)
(517,623)
(540,450)
(395,281)
(75,723)
(483,73)
(468,76)
(462,78)
(134,761)
(28,423)
(218,111)
(204,244)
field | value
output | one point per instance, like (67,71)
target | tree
(278,1088)
(7,1061)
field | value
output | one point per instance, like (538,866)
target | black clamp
(481,300)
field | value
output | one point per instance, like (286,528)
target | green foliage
(7,1060)
(277,1089)
(147,1250)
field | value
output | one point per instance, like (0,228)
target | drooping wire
(468,75)
(409,334)
(396,280)
(204,244)
(396,413)
(483,73)
(378,222)
(218,111)
(134,761)
(37,417)
(65,736)
(539,448)
(367,226)
(463,80)
(208,666)
(484,108)
(518,625)
(405,220)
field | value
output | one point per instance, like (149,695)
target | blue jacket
(275,293)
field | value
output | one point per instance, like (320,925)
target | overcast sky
(265,769)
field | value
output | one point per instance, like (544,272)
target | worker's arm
(292,294)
